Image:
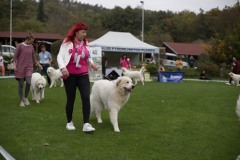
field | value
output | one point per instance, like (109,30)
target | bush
(191,73)
(152,69)
(54,51)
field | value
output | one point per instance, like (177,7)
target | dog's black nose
(133,87)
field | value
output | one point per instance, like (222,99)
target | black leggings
(81,82)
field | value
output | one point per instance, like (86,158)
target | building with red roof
(185,49)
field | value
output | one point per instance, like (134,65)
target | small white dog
(235,78)
(54,75)
(38,83)
(135,75)
(238,108)
(238,114)
(111,95)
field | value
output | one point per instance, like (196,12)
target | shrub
(152,69)
(54,51)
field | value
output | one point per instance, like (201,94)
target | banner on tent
(132,50)
(170,76)
(96,54)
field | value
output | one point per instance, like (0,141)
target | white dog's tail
(238,108)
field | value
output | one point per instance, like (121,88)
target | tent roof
(122,42)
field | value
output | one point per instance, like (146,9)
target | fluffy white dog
(38,83)
(111,95)
(238,114)
(135,75)
(235,78)
(238,108)
(54,75)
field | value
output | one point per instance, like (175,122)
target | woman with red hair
(73,60)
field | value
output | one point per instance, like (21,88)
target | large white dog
(135,75)
(54,75)
(238,114)
(235,78)
(111,95)
(38,83)
(238,107)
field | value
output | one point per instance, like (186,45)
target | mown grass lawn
(161,121)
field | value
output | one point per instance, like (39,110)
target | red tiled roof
(36,35)
(185,48)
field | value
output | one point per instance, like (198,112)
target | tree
(41,16)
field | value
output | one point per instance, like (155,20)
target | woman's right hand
(65,72)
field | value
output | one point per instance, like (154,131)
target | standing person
(161,68)
(2,68)
(73,60)
(24,59)
(191,62)
(45,60)
(104,64)
(179,64)
(125,62)
(235,68)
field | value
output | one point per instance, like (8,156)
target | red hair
(75,28)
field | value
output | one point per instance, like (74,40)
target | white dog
(38,83)
(54,75)
(238,108)
(238,114)
(235,78)
(111,95)
(135,75)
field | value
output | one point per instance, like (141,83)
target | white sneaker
(228,83)
(22,104)
(26,102)
(88,128)
(70,126)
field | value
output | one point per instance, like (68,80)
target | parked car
(8,50)
(169,60)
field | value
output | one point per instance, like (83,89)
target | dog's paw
(99,121)
(37,102)
(117,130)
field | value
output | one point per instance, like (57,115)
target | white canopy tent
(123,42)
(114,44)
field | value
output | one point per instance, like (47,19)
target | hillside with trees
(217,28)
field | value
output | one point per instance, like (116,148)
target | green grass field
(161,121)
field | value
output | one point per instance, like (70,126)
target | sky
(164,5)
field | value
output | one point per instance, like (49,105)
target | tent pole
(142,23)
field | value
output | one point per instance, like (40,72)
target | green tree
(41,16)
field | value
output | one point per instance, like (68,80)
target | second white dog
(135,75)
(238,108)
(111,95)
(54,75)
(38,83)
(235,78)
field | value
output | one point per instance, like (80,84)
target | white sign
(96,54)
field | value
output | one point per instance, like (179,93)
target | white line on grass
(5,154)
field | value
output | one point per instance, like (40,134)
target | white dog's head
(50,70)
(40,83)
(143,69)
(124,84)
(230,74)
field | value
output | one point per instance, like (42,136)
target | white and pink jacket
(65,61)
